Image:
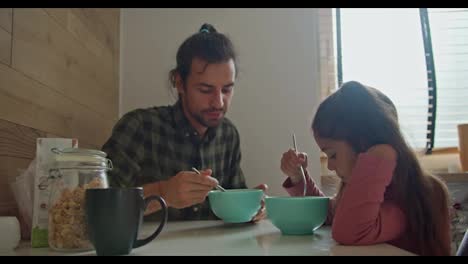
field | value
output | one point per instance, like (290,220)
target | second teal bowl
(297,215)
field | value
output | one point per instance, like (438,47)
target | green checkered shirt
(154,144)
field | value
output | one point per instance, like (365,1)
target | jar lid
(82,151)
(81,155)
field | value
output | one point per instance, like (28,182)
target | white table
(218,238)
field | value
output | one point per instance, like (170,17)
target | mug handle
(142,242)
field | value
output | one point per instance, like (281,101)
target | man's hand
(187,188)
(261,214)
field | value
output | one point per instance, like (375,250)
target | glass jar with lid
(74,170)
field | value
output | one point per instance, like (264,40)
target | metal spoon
(300,167)
(217,186)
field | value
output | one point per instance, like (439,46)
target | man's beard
(211,122)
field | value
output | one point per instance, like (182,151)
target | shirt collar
(186,128)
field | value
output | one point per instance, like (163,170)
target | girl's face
(341,156)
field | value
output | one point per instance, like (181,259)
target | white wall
(277,88)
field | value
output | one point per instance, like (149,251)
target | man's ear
(179,84)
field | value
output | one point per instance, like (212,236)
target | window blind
(449,33)
(384,48)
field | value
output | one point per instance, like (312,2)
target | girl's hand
(290,163)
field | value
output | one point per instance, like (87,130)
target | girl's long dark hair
(364,117)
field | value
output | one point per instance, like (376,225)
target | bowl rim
(233,191)
(303,198)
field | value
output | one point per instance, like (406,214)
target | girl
(384,196)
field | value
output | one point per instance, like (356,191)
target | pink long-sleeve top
(366,213)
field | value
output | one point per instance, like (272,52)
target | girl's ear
(179,84)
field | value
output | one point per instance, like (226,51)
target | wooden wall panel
(50,54)
(17,149)
(102,23)
(18,141)
(6,19)
(59,77)
(5,47)
(90,28)
(32,104)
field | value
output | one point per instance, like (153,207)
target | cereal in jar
(75,171)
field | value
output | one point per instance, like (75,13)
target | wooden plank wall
(59,77)
(6,19)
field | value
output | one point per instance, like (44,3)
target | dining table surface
(215,237)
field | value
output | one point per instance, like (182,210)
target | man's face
(207,93)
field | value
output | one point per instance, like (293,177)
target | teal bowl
(297,215)
(235,205)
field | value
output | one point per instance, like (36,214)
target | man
(157,147)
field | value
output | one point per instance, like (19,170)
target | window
(449,32)
(385,48)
